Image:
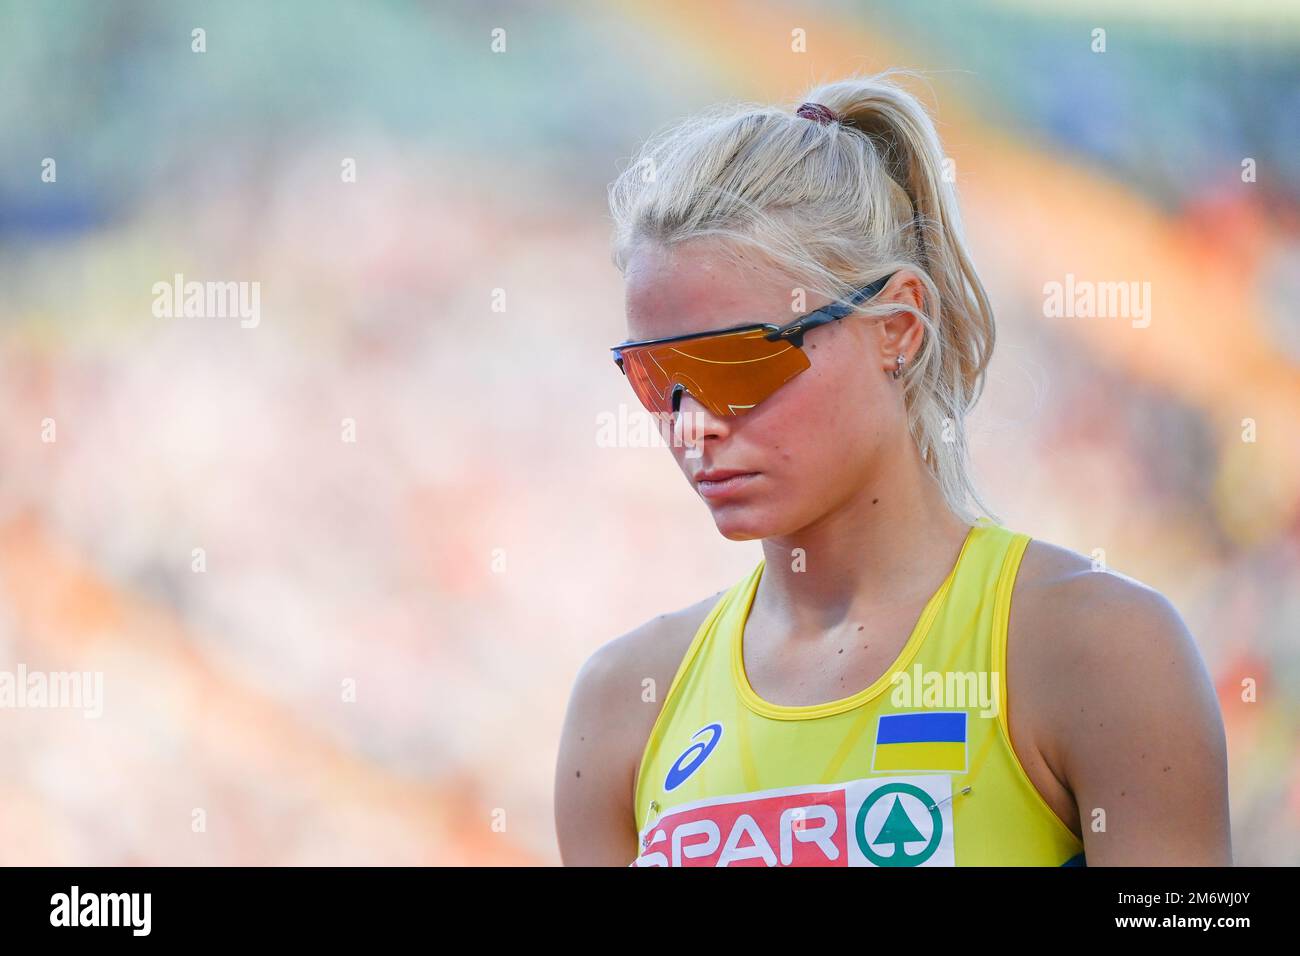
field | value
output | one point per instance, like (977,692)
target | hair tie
(817,112)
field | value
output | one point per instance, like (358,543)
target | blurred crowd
(340,570)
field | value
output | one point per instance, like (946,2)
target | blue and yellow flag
(921,741)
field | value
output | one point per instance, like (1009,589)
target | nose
(694,422)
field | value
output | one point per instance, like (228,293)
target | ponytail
(905,140)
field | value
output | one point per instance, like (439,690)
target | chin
(742,527)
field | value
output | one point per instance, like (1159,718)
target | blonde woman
(901,680)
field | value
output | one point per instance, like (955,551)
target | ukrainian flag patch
(921,741)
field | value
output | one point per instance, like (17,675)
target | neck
(890,543)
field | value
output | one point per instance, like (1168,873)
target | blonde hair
(842,204)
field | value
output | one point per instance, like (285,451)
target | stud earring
(899,370)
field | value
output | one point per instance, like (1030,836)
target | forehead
(699,286)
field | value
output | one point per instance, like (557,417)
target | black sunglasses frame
(792,333)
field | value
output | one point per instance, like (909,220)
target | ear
(902,332)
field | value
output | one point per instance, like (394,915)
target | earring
(899,370)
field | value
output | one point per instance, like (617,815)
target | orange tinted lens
(728,374)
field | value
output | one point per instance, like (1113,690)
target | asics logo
(694,755)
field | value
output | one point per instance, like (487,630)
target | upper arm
(1136,728)
(605,730)
(593,812)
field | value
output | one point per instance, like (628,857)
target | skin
(1110,706)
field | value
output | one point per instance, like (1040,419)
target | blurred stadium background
(373,562)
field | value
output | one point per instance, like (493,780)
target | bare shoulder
(1082,629)
(1114,694)
(652,650)
(608,720)
(1088,612)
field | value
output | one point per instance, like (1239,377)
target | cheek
(837,404)
(817,429)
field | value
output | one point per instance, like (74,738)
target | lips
(723,482)
(720,474)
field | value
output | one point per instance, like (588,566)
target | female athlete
(901,681)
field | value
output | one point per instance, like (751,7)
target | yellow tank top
(915,770)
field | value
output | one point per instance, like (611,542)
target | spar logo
(878,821)
(693,756)
(896,832)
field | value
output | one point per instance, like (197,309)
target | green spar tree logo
(898,829)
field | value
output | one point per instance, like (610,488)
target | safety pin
(651,819)
(935,806)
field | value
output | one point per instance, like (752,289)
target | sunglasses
(728,371)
